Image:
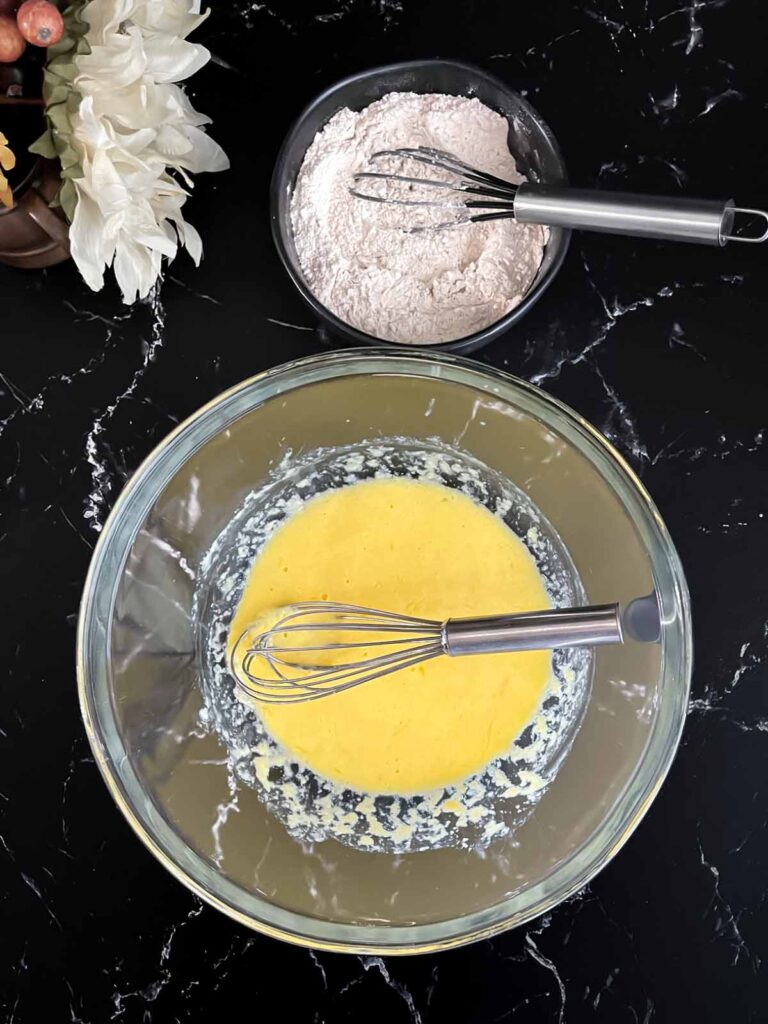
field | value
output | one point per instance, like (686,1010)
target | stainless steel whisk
(709,221)
(278,664)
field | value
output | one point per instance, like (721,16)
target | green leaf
(68,199)
(62,101)
(44,146)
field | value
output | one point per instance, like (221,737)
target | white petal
(90,130)
(170,59)
(205,154)
(154,237)
(104,17)
(86,236)
(180,106)
(193,243)
(172,141)
(105,186)
(174,17)
(132,269)
(119,62)
(136,270)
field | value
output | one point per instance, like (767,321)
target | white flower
(131,128)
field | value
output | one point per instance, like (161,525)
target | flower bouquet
(126,136)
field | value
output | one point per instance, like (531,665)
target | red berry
(12,44)
(40,22)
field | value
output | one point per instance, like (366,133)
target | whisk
(282,663)
(712,222)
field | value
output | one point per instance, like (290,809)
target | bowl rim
(471,342)
(620,821)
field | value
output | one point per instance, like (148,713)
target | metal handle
(534,631)
(709,221)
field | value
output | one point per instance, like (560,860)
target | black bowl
(530,141)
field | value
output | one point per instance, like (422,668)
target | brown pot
(32,235)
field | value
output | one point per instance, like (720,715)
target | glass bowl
(139,673)
(530,141)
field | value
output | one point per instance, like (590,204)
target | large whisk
(318,648)
(472,195)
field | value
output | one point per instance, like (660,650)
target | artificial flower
(127,136)
(7,163)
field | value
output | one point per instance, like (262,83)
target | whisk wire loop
(277,664)
(447,162)
(494,193)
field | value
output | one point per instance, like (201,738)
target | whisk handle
(534,631)
(708,221)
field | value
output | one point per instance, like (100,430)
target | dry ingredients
(359,261)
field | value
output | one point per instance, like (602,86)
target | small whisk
(709,221)
(497,195)
(318,648)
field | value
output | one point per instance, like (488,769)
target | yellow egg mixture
(421,549)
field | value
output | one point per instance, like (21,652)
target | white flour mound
(358,258)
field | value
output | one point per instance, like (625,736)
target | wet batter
(421,549)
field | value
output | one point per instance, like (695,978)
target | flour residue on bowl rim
(488,805)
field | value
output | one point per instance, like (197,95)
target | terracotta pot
(32,235)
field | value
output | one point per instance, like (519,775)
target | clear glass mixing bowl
(138,669)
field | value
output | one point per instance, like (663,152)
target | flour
(362,263)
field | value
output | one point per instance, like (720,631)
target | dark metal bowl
(530,141)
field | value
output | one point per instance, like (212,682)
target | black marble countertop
(663,347)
